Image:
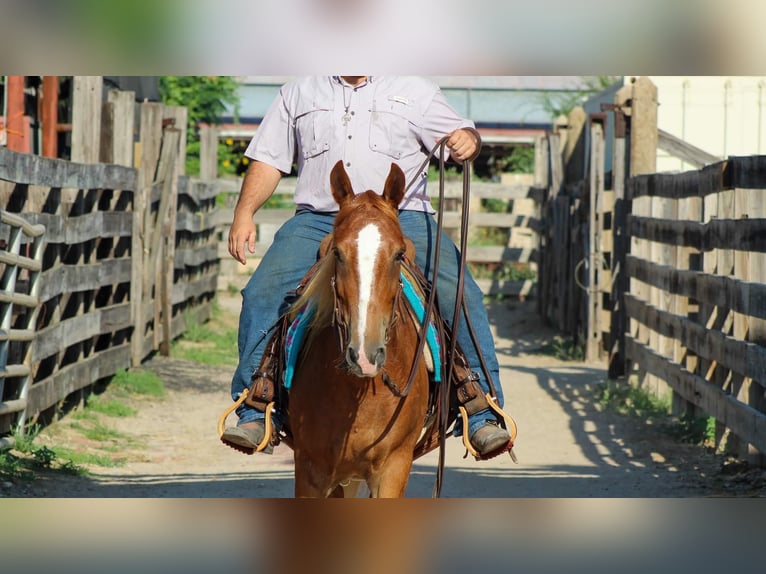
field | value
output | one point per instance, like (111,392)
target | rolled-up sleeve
(440,119)
(274,140)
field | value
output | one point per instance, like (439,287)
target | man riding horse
(366,123)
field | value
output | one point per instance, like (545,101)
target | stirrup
(268,425)
(511,427)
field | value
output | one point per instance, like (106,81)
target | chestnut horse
(347,422)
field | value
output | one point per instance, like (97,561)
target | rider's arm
(260,182)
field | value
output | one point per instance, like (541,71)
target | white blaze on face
(368,245)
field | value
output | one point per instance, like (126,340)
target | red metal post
(14,122)
(50,115)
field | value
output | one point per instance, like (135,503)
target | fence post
(757,327)
(595,209)
(643,129)
(574,151)
(163,236)
(50,116)
(643,160)
(146,157)
(123,111)
(208,153)
(86,118)
(620,244)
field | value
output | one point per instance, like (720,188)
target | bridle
(340,323)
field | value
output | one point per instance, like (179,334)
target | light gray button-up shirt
(320,120)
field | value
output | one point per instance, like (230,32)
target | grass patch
(13,467)
(629,400)
(137,382)
(31,458)
(212,343)
(694,430)
(95,459)
(563,349)
(109,407)
(505,271)
(634,401)
(98,432)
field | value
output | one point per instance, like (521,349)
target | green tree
(206,98)
(561,103)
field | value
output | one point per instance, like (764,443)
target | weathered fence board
(108,286)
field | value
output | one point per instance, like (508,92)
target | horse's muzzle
(361,365)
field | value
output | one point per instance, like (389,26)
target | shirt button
(353,113)
(348,164)
(349,137)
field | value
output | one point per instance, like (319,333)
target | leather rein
(449,358)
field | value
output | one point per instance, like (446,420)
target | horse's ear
(409,249)
(340,184)
(393,190)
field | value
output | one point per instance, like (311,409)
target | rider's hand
(242,233)
(463,145)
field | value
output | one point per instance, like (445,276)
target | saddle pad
(294,341)
(296,332)
(415,301)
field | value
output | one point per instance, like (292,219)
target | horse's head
(368,246)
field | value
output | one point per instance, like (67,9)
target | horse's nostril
(353,356)
(380,356)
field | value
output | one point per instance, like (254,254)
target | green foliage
(520,160)
(631,400)
(206,98)
(563,349)
(77,458)
(212,343)
(13,467)
(137,382)
(561,103)
(23,440)
(98,432)
(110,407)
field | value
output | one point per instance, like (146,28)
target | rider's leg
(264,299)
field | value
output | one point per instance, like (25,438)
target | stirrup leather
(510,425)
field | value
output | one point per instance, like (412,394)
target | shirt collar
(342,82)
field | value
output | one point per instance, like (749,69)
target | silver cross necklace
(347,116)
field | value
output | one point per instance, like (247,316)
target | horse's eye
(337,254)
(400,255)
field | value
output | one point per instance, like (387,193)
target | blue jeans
(295,250)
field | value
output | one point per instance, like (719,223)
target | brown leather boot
(489,438)
(246,437)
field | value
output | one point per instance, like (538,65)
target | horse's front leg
(309,483)
(391,481)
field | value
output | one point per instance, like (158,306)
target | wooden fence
(520,220)
(129,257)
(697,298)
(661,275)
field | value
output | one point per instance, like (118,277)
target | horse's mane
(318,295)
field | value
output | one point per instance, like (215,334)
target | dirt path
(566,446)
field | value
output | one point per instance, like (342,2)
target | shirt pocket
(313,129)
(393,128)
